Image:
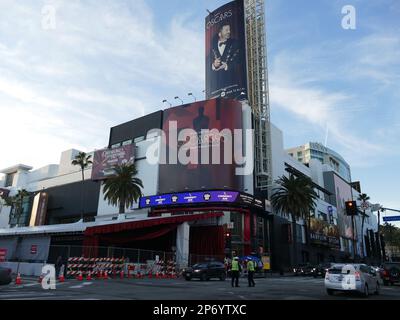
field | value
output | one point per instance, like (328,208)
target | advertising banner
(226,72)
(39,210)
(201,197)
(195,134)
(105,160)
(343,194)
(324,234)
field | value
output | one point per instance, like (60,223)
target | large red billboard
(105,160)
(208,123)
(226,71)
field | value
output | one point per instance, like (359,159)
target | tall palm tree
(363,197)
(295,197)
(17,203)
(123,189)
(83,161)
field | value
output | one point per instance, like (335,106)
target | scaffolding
(258,90)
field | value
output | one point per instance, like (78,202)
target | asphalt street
(272,288)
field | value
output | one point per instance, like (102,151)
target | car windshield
(200,266)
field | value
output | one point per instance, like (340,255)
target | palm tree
(294,197)
(123,189)
(363,197)
(17,202)
(83,161)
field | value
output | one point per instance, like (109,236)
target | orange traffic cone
(80,277)
(150,275)
(18,279)
(122,274)
(89,276)
(105,275)
(61,278)
(40,278)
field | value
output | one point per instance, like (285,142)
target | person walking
(235,271)
(250,273)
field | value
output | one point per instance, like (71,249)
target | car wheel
(188,278)
(377,290)
(222,277)
(330,292)
(366,292)
(203,277)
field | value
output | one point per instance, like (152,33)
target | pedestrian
(250,273)
(58,265)
(235,271)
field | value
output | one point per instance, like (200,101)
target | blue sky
(107,62)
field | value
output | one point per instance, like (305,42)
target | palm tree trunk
(82,199)
(294,240)
(122,206)
(362,235)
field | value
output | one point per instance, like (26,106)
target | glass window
(299,154)
(127,142)
(116,145)
(138,139)
(10,179)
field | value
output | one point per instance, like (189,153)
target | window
(299,154)
(116,145)
(301,159)
(127,142)
(10,179)
(138,139)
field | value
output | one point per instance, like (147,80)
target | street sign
(393,218)
(34,249)
(364,206)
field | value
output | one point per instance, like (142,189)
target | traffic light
(351,208)
(228,239)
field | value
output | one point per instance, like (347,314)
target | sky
(70,70)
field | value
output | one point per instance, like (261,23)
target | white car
(352,277)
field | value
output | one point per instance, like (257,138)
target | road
(273,288)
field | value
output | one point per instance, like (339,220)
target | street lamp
(191,94)
(177,98)
(165,100)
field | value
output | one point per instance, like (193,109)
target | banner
(39,210)
(105,160)
(226,71)
(324,234)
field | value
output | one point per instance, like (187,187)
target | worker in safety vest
(250,273)
(235,271)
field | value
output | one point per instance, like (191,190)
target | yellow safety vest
(250,266)
(235,265)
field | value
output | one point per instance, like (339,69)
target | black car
(390,273)
(205,271)
(303,270)
(320,270)
(5,276)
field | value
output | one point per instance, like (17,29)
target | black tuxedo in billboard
(226,74)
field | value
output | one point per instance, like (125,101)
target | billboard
(218,117)
(200,197)
(226,71)
(39,210)
(343,193)
(324,234)
(105,160)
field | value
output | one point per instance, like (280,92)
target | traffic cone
(89,276)
(80,277)
(61,278)
(105,275)
(18,280)
(40,278)
(122,275)
(150,275)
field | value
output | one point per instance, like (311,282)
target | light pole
(165,100)
(191,94)
(177,98)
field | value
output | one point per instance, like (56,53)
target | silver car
(352,277)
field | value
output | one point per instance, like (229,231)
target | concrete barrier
(25,268)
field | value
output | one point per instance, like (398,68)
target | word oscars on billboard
(105,160)
(226,74)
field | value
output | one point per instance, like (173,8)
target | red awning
(118,227)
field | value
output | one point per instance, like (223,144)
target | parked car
(320,270)
(390,273)
(205,271)
(352,277)
(5,276)
(303,269)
